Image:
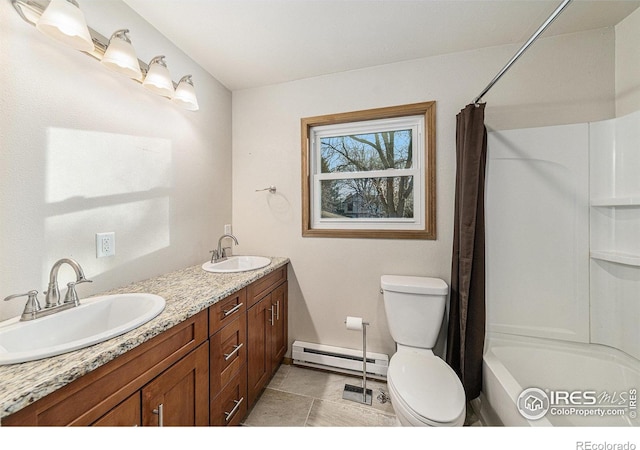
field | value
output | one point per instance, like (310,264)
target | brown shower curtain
(465,341)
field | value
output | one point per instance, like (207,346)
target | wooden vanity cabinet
(207,370)
(108,395)
(267,325)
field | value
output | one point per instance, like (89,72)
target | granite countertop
(186,291)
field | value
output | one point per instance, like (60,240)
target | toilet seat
(426,389)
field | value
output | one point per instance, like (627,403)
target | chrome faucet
(219,254)
(52,295)
(32,309)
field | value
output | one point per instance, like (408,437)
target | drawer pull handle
(229,415)
(160,413)
(272,311)
(278,310)
(232,310)
(228,356)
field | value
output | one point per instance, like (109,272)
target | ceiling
(250,43)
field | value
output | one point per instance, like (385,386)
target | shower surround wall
(563,216)
(615,227)
(537,220)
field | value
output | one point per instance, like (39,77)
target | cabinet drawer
(230,407)
(91,396)
(226,310)
(261,287)
(228,353)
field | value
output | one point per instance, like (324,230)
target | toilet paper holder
(356,393)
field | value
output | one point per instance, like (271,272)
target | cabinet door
(180,395)
(279,330)
(259,343)
(126,414)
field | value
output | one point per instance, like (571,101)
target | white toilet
(424,390)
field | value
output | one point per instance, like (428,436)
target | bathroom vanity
(203,361)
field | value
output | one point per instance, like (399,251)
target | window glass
(364,152)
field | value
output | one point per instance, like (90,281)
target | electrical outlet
(105,244)
(227,229)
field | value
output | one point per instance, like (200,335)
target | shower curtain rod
(526,45)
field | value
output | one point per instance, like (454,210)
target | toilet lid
(427,385)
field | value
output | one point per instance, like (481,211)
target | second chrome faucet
(220,253)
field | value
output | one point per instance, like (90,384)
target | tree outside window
(367,197)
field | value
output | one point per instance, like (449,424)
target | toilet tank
(415,308)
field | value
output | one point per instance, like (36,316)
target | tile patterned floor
(302,397)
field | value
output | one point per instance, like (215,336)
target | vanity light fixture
(63,21)
(185,95)
(121,57)
(158,79)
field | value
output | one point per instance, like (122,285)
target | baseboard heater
(338,359)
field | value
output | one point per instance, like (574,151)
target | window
(370,173)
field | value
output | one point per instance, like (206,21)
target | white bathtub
(602,380)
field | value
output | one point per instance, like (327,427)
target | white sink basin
(237,264)
(95,320)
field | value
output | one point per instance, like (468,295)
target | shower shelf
(619,258)
(616,201)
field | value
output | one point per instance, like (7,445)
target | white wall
(628,64)
(565,79)
(86,150)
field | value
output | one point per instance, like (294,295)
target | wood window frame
(427,110)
